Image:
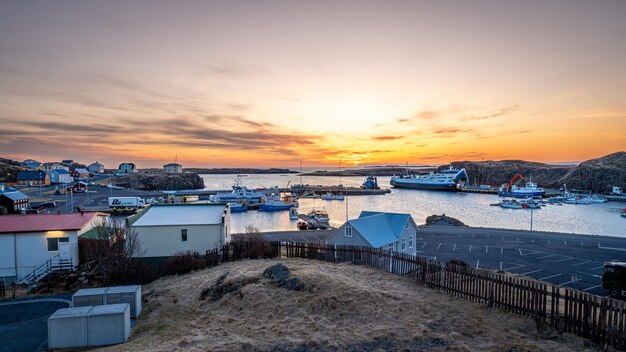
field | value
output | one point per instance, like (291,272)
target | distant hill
(597,175)
(239,171)
(9,170)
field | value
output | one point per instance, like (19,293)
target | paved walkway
(24,324)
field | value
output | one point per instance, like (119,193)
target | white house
(60,176)
(127,168)
(173,168)
(96,168)
(393,231)
(47,167)
(165,230)
(29,241)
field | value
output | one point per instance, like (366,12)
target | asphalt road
(24,326)
(564,259)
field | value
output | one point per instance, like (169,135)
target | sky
(275,83)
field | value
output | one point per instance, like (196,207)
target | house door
(64,250)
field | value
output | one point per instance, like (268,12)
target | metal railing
(53,264)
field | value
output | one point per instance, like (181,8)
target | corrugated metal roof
(180,214)
(374,229)
(378,228)
(45,222)
(14,196)
(61,171)
(31,175)
(82,171)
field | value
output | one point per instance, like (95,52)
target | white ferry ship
(446,180)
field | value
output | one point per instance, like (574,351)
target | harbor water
(472,209)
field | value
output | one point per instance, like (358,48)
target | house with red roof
(38,243)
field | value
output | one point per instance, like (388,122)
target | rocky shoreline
(155,182)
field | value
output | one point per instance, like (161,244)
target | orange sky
(272,84)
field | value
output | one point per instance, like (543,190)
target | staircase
(53,264)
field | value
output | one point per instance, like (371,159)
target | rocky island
(154,182)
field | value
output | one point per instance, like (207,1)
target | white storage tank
(108,324)
(89,297)
(125,294)
(67,328)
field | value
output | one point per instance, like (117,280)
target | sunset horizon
(238,84)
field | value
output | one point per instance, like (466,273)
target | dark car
(614,279)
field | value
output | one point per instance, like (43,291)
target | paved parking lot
(24,324)
(571,260)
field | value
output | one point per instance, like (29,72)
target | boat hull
(274,207)
(399,183)
(522,194)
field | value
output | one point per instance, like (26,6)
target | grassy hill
(342,307)
(9,170)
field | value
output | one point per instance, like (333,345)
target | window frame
(184,235)
(52,240)
(348,231)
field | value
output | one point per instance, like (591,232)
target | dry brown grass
(343,307)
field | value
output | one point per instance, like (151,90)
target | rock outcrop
(154,182)
(443,220)
(9,170)
(281,275)
(596,175)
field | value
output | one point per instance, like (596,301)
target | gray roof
(180,214)
(82,171)
(379,228)
(14,196)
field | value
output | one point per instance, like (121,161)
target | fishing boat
(276,204)
(240,193)
(446,180)
(331,196)
(530,189)
(596,199)
(514,203)
(238,207)
(293,213)
(318,219)
(371,182)
(578,200)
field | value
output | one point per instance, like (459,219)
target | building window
(53,243)
(348,231)
(404,244)
(183,235)
(410,241)
(391,247)
(407,225)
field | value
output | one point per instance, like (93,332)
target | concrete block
(89,297)
(125,294)
(67,328)
(108,324)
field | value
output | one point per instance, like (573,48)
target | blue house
(33,178)
(389,231)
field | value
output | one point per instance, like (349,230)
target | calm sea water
(472,209)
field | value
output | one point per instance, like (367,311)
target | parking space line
(317,238)
(454,248)
(547,256)
(515,266)
(530,272)
(613,248)
(477,261)
(596,268)
(470,248)
(583,263)
(439,246)
(501,250)
(563,260)
(486,249)
(548,277)
(569,282)
(598,276)
(424,244)
(591,288)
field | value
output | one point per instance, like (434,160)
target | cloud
(497,113)
(387,138)
(234,71)
(427,114)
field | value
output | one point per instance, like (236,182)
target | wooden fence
(2,289)
(600,319)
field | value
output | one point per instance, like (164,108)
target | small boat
(624,213)
(331,196)
(238,207)
(238,194)
(318,219)
(512,203)
(596,199)
(578,200)
(274,204)
(530,189)
(293,213)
